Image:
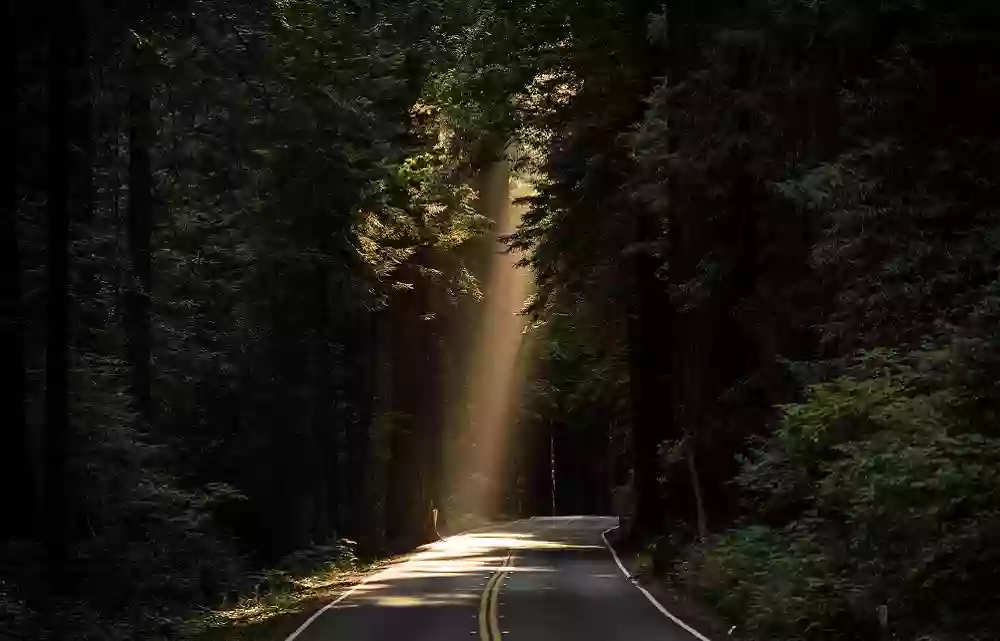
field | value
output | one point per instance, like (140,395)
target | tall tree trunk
(68,86)
(361,355)
(699,500)
(140,229)
(379,433)
(432,413)
(403,489)
(416,397)
(323,476)
(691,353)
(648,324)
(85,284)
(17,458)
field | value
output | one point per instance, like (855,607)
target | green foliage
(580,399)
(762,231)
(748,165)
(422,205)
(338,555)
(296,183)
(302,565)
(777,584)
(878,493)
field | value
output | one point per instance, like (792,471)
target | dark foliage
(227,219)
(243,243)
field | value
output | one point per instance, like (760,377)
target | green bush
(775,583)
(338,554)
(876,492)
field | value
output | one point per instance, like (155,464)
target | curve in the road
(489,621)
(564,587)
(652,599)
(329,606)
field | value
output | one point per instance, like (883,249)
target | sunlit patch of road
(549,579)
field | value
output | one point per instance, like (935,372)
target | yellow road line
(494,619)
(484,630)
(489,628)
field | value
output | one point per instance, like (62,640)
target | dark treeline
(236,241)
(765,237)
(244,249)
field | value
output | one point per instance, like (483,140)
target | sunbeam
(481,426)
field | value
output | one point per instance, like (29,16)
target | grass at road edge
(274,616)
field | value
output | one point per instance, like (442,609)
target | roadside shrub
(336,555)
(777,584)
(875,492)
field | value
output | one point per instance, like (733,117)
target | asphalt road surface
(541,579)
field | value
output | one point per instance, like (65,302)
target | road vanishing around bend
(539,579)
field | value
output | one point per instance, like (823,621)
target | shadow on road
(437,577)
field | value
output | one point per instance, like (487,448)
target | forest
(247,248)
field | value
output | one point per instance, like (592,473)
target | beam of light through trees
(482,423)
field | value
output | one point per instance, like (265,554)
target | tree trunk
(360,355)
(85,283)
(408,369)
(553,477)
(699,501)
(68,85)
(17,458)
(323,477)
(648,323)
(140,229)
(378,441)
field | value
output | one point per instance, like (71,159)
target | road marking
(645,592)
(489,627)
(494,602)
(330,605)
(484,606)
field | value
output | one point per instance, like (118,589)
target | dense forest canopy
(248,266)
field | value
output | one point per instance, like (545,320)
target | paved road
(542,579)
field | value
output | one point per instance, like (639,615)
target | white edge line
(331,604)
(335,602)
(645,592)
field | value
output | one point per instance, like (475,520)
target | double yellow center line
(489,625)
